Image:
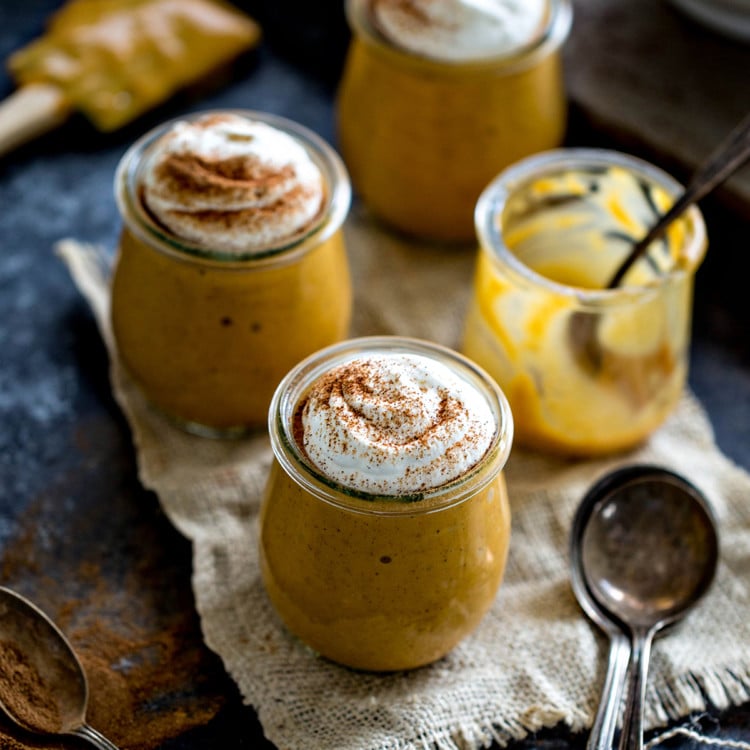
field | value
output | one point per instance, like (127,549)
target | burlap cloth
(535,660)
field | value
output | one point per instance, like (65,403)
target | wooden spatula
(115,59)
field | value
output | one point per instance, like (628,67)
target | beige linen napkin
(535,660)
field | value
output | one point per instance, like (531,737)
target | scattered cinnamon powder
(150,677)
(137,678)
(24,693)
(7,743)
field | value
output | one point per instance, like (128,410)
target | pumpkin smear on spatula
(113,60)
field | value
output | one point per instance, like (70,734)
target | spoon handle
(632,722)
(730,155)
(602,733)
(97,739)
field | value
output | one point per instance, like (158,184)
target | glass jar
(208,334)
(423,137)
(587,370)
(382,582)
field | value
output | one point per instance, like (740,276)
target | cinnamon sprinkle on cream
(232,184)
(459,30)
(394,424)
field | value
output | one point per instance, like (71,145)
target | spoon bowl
(43,687)
(649,549)
(646,544)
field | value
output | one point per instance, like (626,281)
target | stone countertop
(77,532)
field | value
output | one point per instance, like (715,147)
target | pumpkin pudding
(385,522)
(231,266)
(438,96)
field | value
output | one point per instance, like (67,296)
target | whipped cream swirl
(231,184)
(395,424)
(460,30)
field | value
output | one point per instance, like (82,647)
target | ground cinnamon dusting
(127,680)
(150,677)
(24,693)
(408,8)
(247,218)
(361,379)
(399,419)
(8,743)
(188,174)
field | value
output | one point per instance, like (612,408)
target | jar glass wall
(207,334)
(382,582)
(422,137)
(587,370)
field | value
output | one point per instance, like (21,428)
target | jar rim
(550,38)
(330,219)
(295,384)
(494,198)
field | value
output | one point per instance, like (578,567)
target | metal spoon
(648,552)
(47,688)
(730,155)
(602,734)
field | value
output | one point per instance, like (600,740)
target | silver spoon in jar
(43,687)
(731,154)
(648,547)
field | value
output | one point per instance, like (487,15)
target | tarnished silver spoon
(43,687)
(648,552)
(602,734)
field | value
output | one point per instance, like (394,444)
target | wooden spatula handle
(30,111)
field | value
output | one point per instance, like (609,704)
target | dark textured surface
(69,497)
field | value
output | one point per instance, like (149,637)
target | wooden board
(651,77)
